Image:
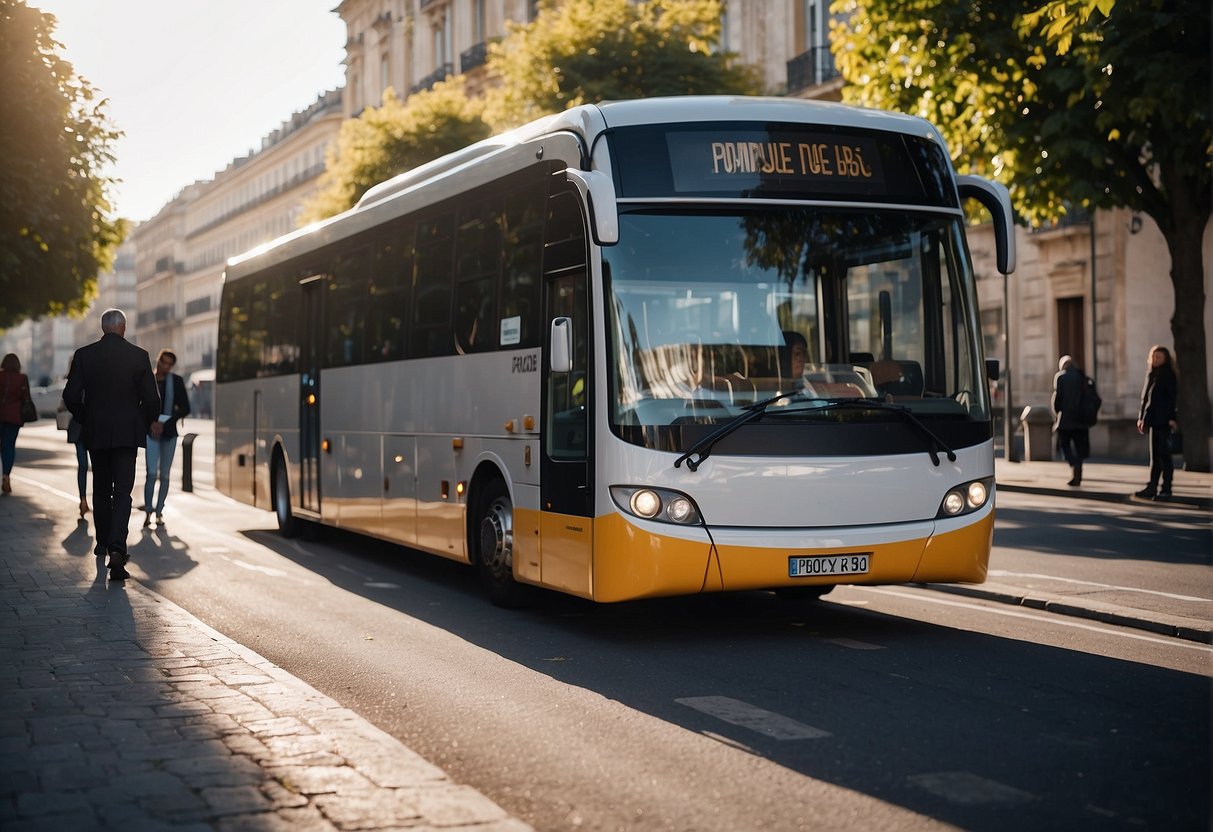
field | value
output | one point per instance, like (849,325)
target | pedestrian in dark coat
(14,392)
(112,392)
(1073,438)
(1158,417)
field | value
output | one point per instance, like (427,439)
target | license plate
(855,563)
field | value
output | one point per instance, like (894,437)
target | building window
(478,23)
(385,75)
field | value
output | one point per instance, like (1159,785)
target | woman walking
(14,390)
(1157,416)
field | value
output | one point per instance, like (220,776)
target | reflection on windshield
(712,312)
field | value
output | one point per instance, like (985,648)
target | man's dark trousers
(113,480)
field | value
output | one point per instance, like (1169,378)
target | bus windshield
(711,311)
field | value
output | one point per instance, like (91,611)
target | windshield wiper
(749,413)
(936,444)
(703,448)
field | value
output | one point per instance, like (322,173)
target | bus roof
(588,121)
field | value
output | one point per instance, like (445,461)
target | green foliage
(1097,103)
(583,51)
(388,140)
(55,228)
(1087,114)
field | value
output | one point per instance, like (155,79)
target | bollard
(1037,425)
(187,462)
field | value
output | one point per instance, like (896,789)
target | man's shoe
(1165,494)
(117,573)
(159,519)
(1074,481)
(1146,493)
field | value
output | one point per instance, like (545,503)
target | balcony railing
(474,57)
(810,68)
(440,74)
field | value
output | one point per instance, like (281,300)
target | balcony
(440,74)
(811,68)
(474,57)
(198,306)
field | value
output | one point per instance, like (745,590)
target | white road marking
(1059,620)
(381,585)
(967,789)
(852,644)
(768,723)
(1002,573)
(268,570)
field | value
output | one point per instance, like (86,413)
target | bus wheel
(288,524)
(802,593)
(494,533)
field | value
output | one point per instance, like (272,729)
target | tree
(582,51)
(1087,102)
(56,232)
(398,136)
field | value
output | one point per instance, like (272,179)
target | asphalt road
(879,708)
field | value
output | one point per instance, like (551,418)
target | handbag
(1175,443)
(29,411)
(63,419)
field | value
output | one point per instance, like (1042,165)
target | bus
(635,349)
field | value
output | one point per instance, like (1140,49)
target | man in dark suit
(111,391)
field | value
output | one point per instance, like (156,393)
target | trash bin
(1037,425)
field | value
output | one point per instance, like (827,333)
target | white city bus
(636,349)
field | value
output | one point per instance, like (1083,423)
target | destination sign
(751,160)
(729,160)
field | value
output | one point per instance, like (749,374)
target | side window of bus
(478,267)
(522,234)
(257,332)
(434,270)
(233,365)
(345,308)
(391,283)
(280,351)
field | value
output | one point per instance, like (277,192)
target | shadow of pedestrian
(79,542)
(161,555)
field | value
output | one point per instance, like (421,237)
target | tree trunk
(1188,328)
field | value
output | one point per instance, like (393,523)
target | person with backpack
(1158,416)
(1072,419)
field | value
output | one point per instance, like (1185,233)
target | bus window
(478,252)
(387,312)
(522,235)
(345,309)
(431,329)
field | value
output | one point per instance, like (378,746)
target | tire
(493,543)
(288,523)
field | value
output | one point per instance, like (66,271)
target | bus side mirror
(561,358)
(598,192)
(997,200)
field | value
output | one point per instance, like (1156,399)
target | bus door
(566,494)
(310,344)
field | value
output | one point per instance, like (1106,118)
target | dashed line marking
(768,723)
(967,789)
(853,644)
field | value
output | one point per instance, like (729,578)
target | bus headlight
(965,498)
(659,504)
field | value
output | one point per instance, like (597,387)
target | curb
(1189,629)
(1105,496)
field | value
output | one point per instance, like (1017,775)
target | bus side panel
(528,560)
(276,403)
(959,550)
(399,514)
(568,553)
(631,561)
(440,523)
(361,482)
(234,440)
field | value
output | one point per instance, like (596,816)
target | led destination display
(748,161)
(779,161)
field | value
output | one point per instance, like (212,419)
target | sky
(194,84)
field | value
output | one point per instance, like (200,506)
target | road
(879,708)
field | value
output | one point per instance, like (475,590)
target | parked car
(46,396)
